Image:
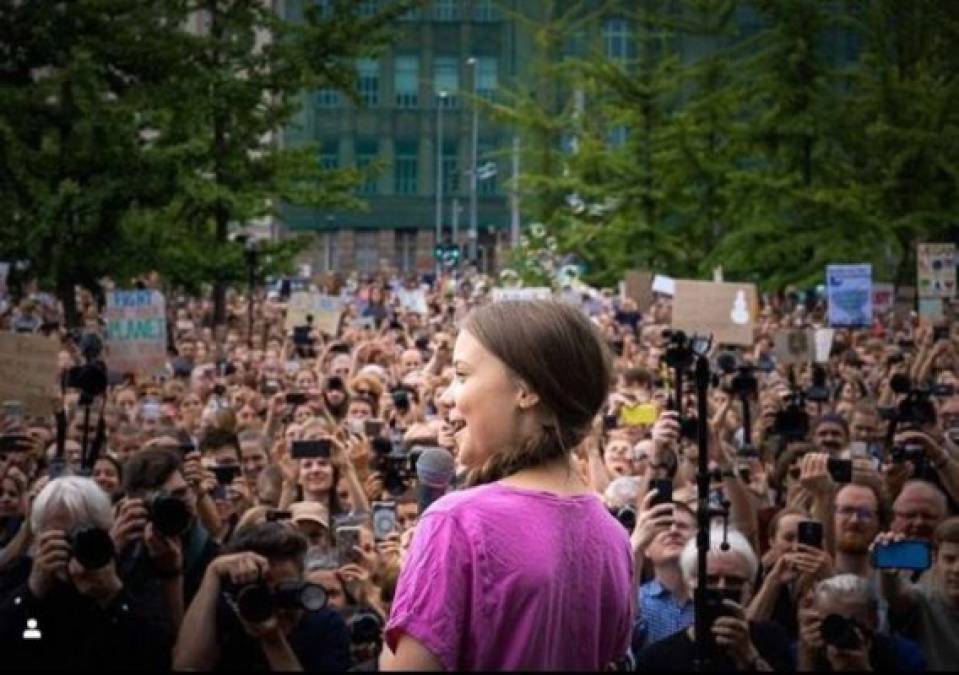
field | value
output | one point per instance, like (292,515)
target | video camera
(914,411)
(395,465)
(90,377)
(792,422)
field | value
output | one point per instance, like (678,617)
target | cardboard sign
(726,310)
(849,294)
(532,293)
(936,268)
(413,299)
(638,286)
(29,371)
(883,298)
(794,347)
(136,335)
(325,310)
(664,285)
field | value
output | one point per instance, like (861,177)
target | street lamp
(250,253)
(440,102)
(472,63)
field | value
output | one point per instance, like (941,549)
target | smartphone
(317,448)
(276,514)
(186,449)
(225,474)
(809,532)
(296,398)
(13,412)
(840,469)
(384,519)
(347,538)
(912,554)
(858,449)
(15,443)
(664,491)
(372,428)
(641,414)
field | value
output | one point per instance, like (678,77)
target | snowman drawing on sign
(740,313)
(32,632)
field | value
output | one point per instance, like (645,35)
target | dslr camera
(256,602)
(92,546)
(170,515)
(840,632)
(915,410)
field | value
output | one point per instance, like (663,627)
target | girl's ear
(525,398)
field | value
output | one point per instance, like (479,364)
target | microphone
(434,473)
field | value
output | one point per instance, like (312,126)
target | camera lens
(255,603)
(312,597)
(92,547)
(840,632)
(169,515)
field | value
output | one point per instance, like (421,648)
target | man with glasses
(856,523)
(918,510)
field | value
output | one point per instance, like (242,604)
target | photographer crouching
(75,611)
(254,611)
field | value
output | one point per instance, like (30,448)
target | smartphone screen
(296,398)
(373,427)
(225,474)
(840,470)
(809,532)
(384,519)
(347,538)
(904,555)
(317,448)
(664,491)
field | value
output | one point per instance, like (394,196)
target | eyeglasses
(864,513)
(916,515)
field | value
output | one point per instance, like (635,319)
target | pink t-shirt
(501,578)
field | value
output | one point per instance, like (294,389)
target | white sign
(136,334)
(824,338)
(849,294)
(664,285)
(325,310)
(532,293)
(413,299)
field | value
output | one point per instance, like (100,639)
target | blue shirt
(660,615)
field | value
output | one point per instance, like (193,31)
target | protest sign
(664,285)
(930,310)
(823,339)
(136,335)
(325,311)
(849,294)
(793,347)
(413,299)
(936,267)
(532,293)
(28,371)
(727,310)
(883,298)
(638,286)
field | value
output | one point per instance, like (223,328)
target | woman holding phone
(526,569)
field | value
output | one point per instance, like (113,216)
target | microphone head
(435,467)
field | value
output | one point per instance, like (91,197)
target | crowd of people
(275,498)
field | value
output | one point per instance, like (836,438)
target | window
(485,10)
(329,155)
(446,77)
(406,167)
(367,7)
(617,38)
(366,152)
(406,81)
(486,76)
(328,251)
(327,98)
(446,10)
(365,250)
(405,250)
(368,82)
(451,176)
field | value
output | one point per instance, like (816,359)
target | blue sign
(849,294)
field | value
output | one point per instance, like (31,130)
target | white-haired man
(735,643)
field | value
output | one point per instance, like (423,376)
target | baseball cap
(310,511)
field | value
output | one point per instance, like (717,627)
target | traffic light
(447,254)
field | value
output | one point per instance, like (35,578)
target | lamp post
(250,253)
(474,142)
(440,101)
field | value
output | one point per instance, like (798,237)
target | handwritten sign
(664,285)
(532,293)
(726,310)
(28,370)
(325,311)
(136,335)
(883,298)
(849,293)
(793,347)
(936,267)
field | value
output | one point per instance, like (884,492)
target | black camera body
(256,602)
(92,546)
(170,516)
(916,410)
(840,632)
